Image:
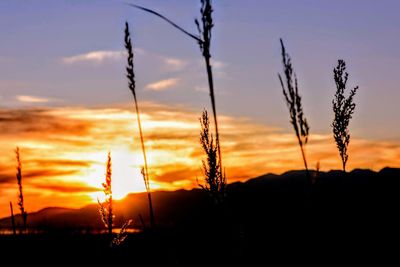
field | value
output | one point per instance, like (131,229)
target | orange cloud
(67,188)
(64,151)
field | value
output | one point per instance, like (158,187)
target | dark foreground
(338,218)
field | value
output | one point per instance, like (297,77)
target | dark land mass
(334,217)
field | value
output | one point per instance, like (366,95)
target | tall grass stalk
(204,26)
(24,214)
(132,86)
(12,219)
(343,108)
(106,209)
(293,102)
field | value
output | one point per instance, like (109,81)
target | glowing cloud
(64,151)
(163,84)
(174,64)
(32,99)
(94,56)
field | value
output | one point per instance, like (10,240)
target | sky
(64,98)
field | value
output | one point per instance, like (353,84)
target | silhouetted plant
(106,208)
(132,86)
(343,108)
(315,175)
(204,27)
(12,219)
(293,102)
(215,181)
(122,235)
(24,214)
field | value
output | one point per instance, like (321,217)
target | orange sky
(64,151)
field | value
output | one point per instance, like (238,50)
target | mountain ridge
(269,191)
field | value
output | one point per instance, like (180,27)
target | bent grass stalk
(132,86)
(204,27)
(293,102)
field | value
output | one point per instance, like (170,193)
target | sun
(128,181)
(126,176)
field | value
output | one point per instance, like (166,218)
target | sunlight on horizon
(64,152)
(126,178)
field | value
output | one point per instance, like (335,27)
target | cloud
(32,124)
(218,65)
(95,57)
(66,163)
(139,51)
(174,64)
(64,150)
(32,99)
(6,176)
(163,84)
(175,173)
(67,188)
(42,172)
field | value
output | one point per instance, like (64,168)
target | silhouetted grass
(215,181)
(106,209)
(343,108)
(24,214)
(293,102)
(204,26)
(122,235)
(132,86)
(12,219)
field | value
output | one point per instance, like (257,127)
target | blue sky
(44,43)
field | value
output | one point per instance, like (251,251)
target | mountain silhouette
(333,196)
(332,217)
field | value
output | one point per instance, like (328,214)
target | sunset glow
(65,102)
(199,132)
(64,151)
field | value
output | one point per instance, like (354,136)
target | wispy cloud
(67,188)
(32,99)
(218,65)
(163,84)
(174,64)
(95,56)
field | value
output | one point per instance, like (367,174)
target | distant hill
(332,196)
(333,217)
